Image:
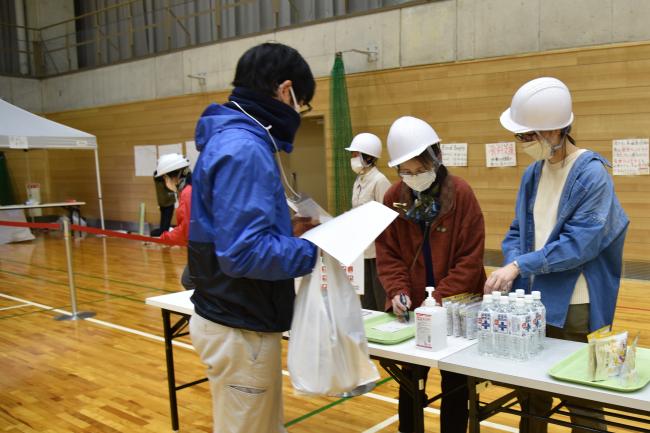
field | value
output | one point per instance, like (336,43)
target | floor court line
(190,347)
(14,306)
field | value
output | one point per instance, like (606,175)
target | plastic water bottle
(484,326)
(519,334)
(501,329)
(533,335)
(512,297)
(540,319)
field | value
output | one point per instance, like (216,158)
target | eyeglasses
(526,137)
(403,173)
(304,109)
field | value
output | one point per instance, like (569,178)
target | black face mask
(284,120)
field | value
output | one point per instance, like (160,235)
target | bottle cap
(537,294)
(496,295)
(429,301)
(520,293)
(487,298)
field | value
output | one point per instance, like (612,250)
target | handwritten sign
(500,154)
(630,157)
(454,154)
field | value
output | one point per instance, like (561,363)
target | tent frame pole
(99,191)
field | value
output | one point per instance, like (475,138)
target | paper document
(166,149)
(145,160)
(305,206)
(392,326)
(191,153)
(348,235)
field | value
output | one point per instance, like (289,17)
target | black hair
(369,159)
(425,157)
(264,67)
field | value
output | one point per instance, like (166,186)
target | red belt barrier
(74,227)
(51,226)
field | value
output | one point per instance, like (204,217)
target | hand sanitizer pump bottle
(430,324)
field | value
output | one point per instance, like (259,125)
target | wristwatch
(514,262)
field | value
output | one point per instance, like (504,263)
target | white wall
(440,31)
(23,92)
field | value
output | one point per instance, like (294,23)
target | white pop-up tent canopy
(20,129)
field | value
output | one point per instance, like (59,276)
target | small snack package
(607,352)
(450,304)
(628,376)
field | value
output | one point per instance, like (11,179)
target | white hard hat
(543,104)
(170,162)
(408,137)
(366,143)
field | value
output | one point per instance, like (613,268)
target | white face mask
(356,164)
(420,182)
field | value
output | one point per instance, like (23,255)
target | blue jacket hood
(218,117)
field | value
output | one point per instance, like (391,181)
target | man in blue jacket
(242,252)
(566,239)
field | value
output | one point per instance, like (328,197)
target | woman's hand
(170,183)
(398,308)
(302,225)
(501,279)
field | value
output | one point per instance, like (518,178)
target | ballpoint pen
(402,299)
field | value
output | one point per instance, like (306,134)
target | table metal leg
(418,401)
(171,377)
(413,383)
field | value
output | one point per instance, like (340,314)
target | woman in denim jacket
(566,239)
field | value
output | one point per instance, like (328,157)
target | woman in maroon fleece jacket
(437,240)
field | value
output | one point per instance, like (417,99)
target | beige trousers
(244,369)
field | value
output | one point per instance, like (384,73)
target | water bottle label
(502,323)
(484,321)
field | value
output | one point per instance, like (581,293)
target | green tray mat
(574,369)
(383,337)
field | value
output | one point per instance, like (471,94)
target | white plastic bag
(328,351)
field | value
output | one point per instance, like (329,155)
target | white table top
(178,302)
(43,205)
(533,374)
(405,352)
(461,356)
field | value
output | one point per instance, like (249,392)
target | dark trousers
(166,214)
(374,296)
(575,328)
(453,407)
(186,280)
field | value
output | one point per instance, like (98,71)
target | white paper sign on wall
(500,154)
(630,157)
(454,154)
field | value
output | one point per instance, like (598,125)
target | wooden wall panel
(463,101)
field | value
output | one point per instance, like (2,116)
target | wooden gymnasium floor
(108,374)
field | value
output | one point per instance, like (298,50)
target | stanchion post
(76,315)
